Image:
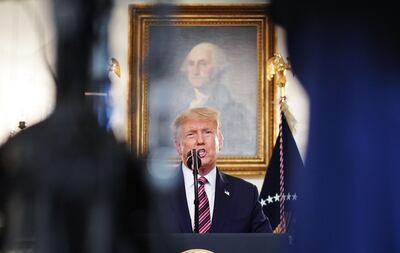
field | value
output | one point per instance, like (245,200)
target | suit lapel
(181,208)
(221,203)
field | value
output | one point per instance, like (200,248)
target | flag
(270,192)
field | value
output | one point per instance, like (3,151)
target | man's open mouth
(202,152)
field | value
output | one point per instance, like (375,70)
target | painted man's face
(200,66)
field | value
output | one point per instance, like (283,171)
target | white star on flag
(270,200)
(276,197)
(288,196)
(294,196)
(262,202)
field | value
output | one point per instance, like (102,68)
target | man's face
(200,66)
(201,135)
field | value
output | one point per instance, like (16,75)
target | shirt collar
(188,176)
(199,98)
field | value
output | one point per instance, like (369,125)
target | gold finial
(276,67)
(114,67)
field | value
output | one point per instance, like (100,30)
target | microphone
(193,161)
(189,160)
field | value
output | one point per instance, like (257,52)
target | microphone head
(189,158)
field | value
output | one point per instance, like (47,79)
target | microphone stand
(195,167)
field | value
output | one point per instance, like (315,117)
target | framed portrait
(184,56)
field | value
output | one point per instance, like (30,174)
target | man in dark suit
(227,204)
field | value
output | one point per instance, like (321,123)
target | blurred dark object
(22,125)
(66,185)
(346,55)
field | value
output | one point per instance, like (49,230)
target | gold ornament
(114,67)
(276,67)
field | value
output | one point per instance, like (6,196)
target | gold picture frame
(160,38)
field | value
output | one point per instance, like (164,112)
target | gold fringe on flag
(290,119)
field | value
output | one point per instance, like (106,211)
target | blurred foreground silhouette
(346,54)
(66,185)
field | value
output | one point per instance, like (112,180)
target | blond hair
(203,113)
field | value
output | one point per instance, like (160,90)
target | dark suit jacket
(238,212)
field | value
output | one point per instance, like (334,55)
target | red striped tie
(204,208)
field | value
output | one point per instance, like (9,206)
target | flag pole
(276,71)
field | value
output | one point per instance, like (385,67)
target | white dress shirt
(189,188)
